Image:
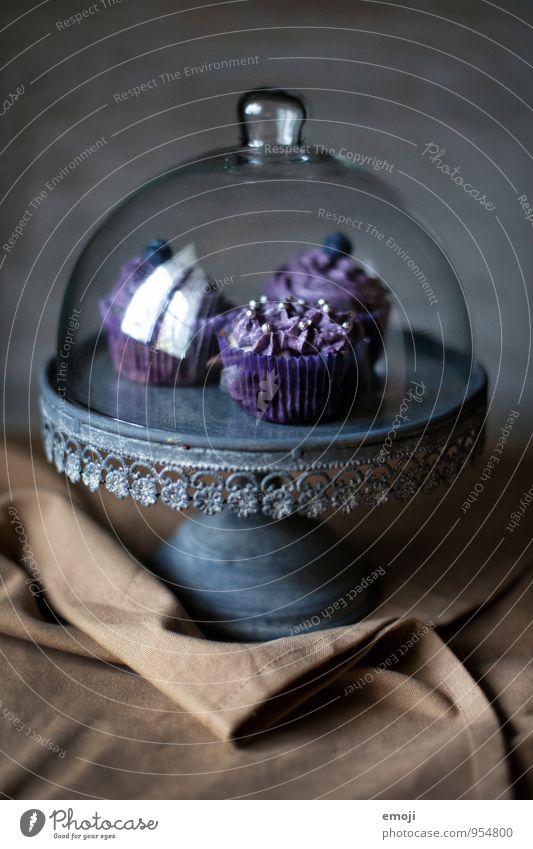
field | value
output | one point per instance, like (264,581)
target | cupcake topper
(172,286)
(337,243)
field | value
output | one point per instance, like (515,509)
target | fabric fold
(389,687)
(118,612)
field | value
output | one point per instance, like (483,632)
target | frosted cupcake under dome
(264,335)
(170,262)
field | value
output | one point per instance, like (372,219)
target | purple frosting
(288,328)
(320,273)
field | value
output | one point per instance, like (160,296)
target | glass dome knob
(271,117)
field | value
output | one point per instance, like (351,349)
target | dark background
(454,73)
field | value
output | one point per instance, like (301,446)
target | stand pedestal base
(257,579)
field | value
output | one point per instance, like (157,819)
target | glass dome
(275,221)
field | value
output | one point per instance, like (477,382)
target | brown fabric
(132,701)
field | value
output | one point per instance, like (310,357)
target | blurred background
(382,79)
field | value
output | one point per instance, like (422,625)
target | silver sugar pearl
(346,325)
(252,304)
(263,299)
(325,307)
(281,306)
(250,313)
(321,302)
(266,328)
(301,302)
(304,324)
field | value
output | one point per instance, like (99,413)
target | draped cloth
(109,690)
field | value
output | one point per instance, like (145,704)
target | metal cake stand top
(415,436)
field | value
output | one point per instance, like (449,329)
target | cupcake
(330,273)
(288,363)
(161,318)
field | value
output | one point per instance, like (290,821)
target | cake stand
(256,559)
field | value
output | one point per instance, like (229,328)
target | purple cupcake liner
(294,389)
(142,362)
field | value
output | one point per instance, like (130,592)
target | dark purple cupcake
(329,273)
(291,364)
(161,319)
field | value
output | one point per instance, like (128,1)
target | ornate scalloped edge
(422,463)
